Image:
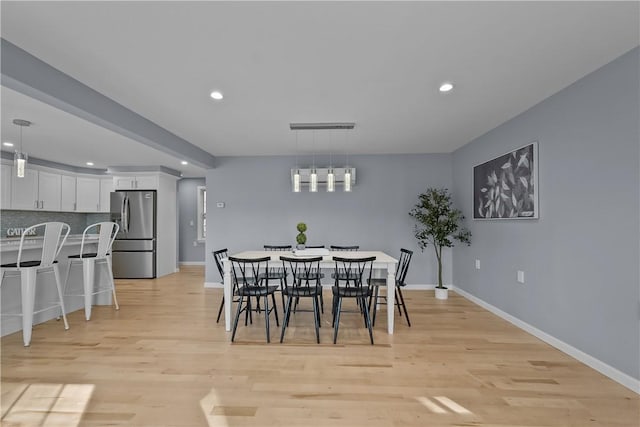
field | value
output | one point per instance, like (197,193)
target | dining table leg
(228,297)
(391,293)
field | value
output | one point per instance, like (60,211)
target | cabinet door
(24,191)
(124,182)
(7,171)
(49,188)
(68,194)
(106,187)
(87,194)
(147,182)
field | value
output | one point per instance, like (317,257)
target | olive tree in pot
(438,223)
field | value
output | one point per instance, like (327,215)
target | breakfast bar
(31,250)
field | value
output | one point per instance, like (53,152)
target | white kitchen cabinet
(106,187)
(87,194)
(24,191)
(49,191)
(6,171)
(137,182)
(68,194)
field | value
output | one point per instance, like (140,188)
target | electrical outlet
(477,264)
(195,243)
(520,276)
(191,223)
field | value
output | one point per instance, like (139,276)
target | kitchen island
(11,300)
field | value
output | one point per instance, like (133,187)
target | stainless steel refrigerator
(134,249)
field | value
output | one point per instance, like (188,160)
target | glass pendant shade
(347,180)
(296,181)
(331,181)
(20,163)
(313,181)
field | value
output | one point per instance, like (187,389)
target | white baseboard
(192,263)
(417,287)
(628,381)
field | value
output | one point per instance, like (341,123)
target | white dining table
(383,262)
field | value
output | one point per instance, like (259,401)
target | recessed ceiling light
(8,144)
(89,163)
(446,87)
(184,162)
(216,95)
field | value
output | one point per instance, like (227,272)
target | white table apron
(383,262)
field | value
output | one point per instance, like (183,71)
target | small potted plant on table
(301,238)
(438,224)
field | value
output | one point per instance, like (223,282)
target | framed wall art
(507,187)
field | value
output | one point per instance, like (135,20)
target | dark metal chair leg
(266,316)
(368,323)
(220,310)
(285,321)
(404,307)
(235,323)
(337,320)
(316,315)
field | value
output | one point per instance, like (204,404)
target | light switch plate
(520,276)
(220,204)
(477,264)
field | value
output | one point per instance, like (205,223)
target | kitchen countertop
(8,244)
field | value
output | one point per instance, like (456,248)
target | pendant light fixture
(313,177)
(331,177)
(20,157)
(296,174)
(347,169)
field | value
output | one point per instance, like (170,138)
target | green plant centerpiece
(301,238)
(438,223)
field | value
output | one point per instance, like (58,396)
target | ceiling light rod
(321,126)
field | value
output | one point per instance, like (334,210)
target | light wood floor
(163,361)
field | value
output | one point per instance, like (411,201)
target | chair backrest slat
(107,232)
(218,256)
(247,271)
(303,270)
(345,248)
(403,265)
(55,235)
(355,271)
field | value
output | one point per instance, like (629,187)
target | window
(202,213)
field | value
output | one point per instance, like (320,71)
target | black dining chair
(305,284)
(401,274)
(276,273)
(351,248)
(247,274)
(357,285)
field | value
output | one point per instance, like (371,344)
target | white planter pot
(442,293)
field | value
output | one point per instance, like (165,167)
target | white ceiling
(378,64)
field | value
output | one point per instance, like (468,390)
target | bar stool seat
(55,235)
(89,261)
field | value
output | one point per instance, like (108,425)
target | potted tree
(301,238)
(438,223)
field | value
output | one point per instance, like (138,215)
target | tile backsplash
(10,219)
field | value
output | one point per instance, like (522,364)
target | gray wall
(261,208)
(581,257)
(187,213)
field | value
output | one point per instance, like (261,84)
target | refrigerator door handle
(123,214)
(128,208)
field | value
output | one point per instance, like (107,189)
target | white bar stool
(28,273)
(107,234)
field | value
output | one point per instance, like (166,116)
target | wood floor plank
(162,360)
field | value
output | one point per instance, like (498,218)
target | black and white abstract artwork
(507,187)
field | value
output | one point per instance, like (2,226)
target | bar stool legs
(28,289)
